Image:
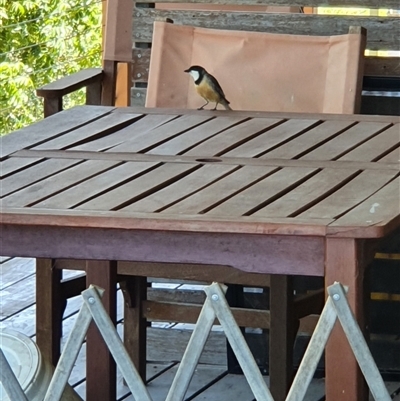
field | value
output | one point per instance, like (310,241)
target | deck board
(18,297)
(167,342)
(15,270)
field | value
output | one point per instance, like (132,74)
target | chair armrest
(53,93)
(71,83)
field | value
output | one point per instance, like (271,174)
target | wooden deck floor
(166,344)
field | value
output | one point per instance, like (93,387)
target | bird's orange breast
(207,92)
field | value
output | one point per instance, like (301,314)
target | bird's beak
(187,70)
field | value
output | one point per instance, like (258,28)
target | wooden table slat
(392,157)
(375,210)
(179,190)
(51,127)
(271,138)
(137,188)
(309,192)
(233,137)
(145,124)
(248,201)
(106,125)
(147,140)
(376,146)
(56,183)
(243,161)
(12,165)
(94,186)
(34,174)
(346,141)
(350,195)
(194,136)
(218,192)
(309,139)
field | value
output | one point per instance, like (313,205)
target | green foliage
(40,41)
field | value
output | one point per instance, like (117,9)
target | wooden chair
(121,49)
(101,87)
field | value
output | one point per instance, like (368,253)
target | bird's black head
(197,68)
(196,72)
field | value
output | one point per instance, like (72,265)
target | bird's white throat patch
(195,75)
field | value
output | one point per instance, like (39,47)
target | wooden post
(117,52)
(281,336)
(100,366)
(52,105)
(134,289)
(93,93)
(345,262)
(49,309)
(123,87)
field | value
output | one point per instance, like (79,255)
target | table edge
(191,223)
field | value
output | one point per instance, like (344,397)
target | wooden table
(262,192)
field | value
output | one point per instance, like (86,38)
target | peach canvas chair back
(258,71)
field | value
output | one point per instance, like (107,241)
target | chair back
(129,29)
(258,71)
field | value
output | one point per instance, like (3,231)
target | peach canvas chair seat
(258,71)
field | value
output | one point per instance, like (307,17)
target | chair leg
(100,365)
(50,307)
(134,289)
(283,329)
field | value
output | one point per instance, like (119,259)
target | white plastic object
(31,370)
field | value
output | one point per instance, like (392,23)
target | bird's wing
(217,86)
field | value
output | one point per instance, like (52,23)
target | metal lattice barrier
(215,306)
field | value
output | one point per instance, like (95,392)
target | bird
(208,87)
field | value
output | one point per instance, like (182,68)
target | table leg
(282,333)
(50,306)
(134,289)
(100,365)
(345,262)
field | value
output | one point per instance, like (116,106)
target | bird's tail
(225,103)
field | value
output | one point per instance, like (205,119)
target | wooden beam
(123,86)
(49,309)
(282,334)
(189,313)
(100,365)
(342,375)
